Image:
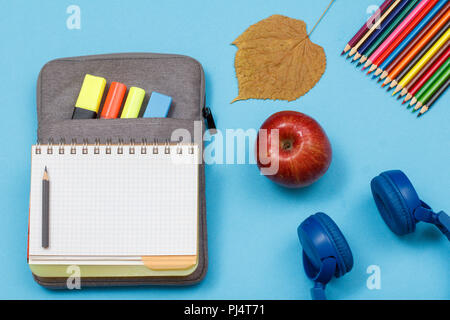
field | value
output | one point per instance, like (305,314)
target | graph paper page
(116,204)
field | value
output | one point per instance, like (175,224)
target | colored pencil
(416,45)
(427,57)
(417,58)
(389,28)
(400,33)
(371,21)
(407,42)
(374,27)
(432,90)
(411,40)
(385,25)
(424,45)
(433,84)
(418,81)
(421,85)
(434,98)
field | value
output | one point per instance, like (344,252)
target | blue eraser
(158,106)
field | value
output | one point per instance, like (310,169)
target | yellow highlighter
(133,103)
(89,98)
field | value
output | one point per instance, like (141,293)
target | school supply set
(326,253)
(406,44)
(91,93)
(120,199)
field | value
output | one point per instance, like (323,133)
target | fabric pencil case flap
(179,77)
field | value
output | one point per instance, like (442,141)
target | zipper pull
(207,114)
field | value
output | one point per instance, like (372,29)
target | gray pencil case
(180,77)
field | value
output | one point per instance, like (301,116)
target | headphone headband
(405,187)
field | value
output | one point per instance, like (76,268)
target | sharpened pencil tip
(45,176)
(399,97)
(383,85)
(343,52)
(404,101)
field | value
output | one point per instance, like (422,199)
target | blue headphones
(400,206)
(326,253)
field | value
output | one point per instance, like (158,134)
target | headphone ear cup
(339,241)
(391,205)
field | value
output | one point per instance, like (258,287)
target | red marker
(113,100)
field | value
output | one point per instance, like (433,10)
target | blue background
(254,252)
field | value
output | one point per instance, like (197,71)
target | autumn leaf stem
(320,19)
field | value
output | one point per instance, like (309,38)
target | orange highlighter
(113,101)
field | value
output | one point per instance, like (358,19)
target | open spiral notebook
(116,205)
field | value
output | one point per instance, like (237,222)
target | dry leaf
(276,60)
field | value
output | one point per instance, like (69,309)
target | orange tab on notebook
(170,262)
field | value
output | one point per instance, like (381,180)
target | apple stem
(287,145)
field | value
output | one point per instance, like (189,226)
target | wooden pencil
(420,74)
(413,39)
(416,46)
(414,61)
(45,209)
(426,73)
(419,56)
(400,33)
(371,21)
(434,98)
(427,57)
(428,49)
(386,27)
(374,27)
(432,85)
(394,25)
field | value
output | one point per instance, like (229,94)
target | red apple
(303,154)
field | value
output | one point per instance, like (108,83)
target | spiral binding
(144,147)
(62,142)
